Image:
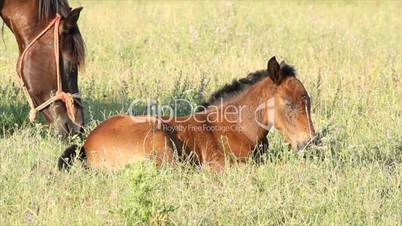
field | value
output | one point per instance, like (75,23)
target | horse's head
(40,73)
(291,105)
(43,81)
(34,26)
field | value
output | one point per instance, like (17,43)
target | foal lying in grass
(233,128)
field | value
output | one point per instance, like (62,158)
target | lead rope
(67,98)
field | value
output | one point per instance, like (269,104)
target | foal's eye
(289,104)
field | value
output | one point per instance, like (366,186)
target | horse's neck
(23,22)
(252,117)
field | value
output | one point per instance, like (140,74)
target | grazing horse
(51,49)
(222,134)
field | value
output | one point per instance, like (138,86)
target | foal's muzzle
(305,144)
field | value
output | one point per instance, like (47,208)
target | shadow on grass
(15,116)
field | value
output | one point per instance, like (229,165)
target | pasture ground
(347,53)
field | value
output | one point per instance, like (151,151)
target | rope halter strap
(67,98)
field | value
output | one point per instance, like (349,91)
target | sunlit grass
(348,55)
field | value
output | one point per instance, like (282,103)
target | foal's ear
(71,19)
(274,70)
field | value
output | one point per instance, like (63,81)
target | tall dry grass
(347,53)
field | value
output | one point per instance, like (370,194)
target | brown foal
(221,134)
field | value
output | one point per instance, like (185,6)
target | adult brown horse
(221,134)
(51,49)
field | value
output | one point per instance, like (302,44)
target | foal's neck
(252,120)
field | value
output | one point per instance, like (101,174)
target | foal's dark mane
(48,9)
(239,85)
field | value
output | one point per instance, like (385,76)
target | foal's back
(122,140)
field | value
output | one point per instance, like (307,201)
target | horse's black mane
(237,86)
(48,9)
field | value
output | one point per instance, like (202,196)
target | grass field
(347,53)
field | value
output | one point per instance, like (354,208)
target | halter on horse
(66,97)
(51,50)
